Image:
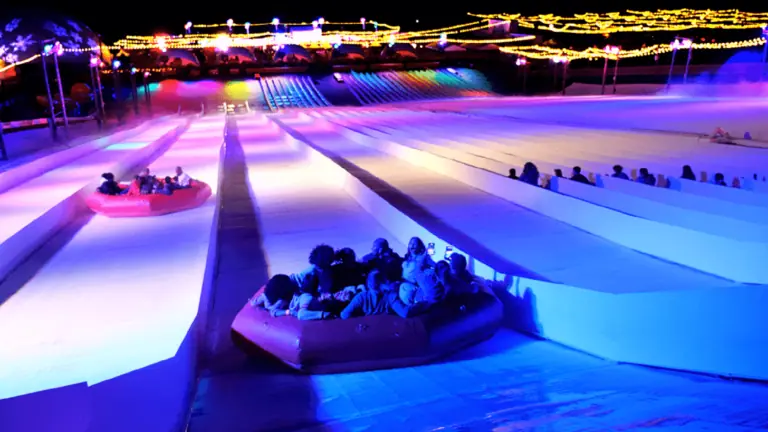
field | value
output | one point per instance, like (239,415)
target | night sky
(113,20)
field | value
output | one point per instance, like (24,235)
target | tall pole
(146,92)
(134,93)
(118,92)
(57,51)
(525,77)
(565,73)
(687,64)
(97,72)
(96,101)
(615,73)
(605,74)
(671,66)
(50,97)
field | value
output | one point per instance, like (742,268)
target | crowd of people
(531,175)
(145,184)
(337,284)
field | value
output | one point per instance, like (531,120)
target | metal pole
(605,74)
(671,66)
(615,73)
(554,81)
(118,94)
(102,110)
(565,74)
(688,63)
(96,101)
(50,98)
(525,77)
(134,94)
(61,93)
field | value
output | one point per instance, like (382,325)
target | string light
(594,53)
(638,21)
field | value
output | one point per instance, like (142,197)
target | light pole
(675,45)
(522,62)
(134,93)
(564,61)
(276,23)
(58,50)
(146,91)
(230,23)
(46,51)
(765,52)
(188,27)
(610,50)
(118,91)
(94,64)
(362,22)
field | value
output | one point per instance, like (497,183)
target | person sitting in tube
(418,273)
(134,188)
(385,260)
(109,186)
(277,295)
(376,300)
(305,304)
(456,278)
(182,179)
(321,259)
(166,187)
(646,178)
(578,177)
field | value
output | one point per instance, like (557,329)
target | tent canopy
(242,54)
(25,36)
(177,57)
(288,52)
(399,49)
(445,48)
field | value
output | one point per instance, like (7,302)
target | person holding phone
(418,269)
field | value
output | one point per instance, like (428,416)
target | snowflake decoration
(72,46)
(11,58)
(56,29)
(3,51)
(22,42)
(76,37)
(75,26)
(13,25)
(92,43)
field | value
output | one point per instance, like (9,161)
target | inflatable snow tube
(149,205)
(371,342)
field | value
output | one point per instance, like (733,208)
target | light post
(57,51)
(146,91)
(276,23)
(610,50)
(230,23)
(362,22)
(675,45)
(522,62)
(46,51)
(134,93)
(118,93)
(247,26)
(188,27)
(94,64)
(765,52)
(564,61)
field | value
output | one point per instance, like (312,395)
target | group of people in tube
(530,175)
(145,184)
(337,284)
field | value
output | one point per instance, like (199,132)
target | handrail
(267,96)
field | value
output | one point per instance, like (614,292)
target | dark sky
(117,18)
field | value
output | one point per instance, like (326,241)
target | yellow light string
(383,26)
(638,21)
(477,41)
(12,65)
(547,53)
